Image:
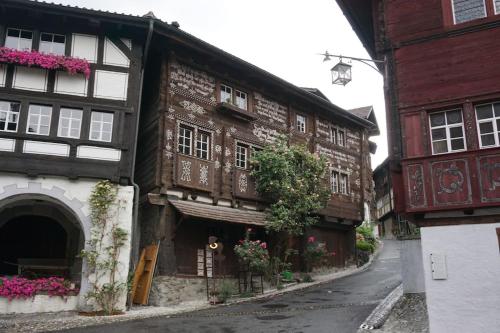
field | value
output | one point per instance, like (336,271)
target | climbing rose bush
(18,287)
(46,61)
(253,253)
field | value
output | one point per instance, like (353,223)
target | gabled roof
(177,35)
(367,112)
(316,92)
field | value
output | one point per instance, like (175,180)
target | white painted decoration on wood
(113,55)
(438,266)
(84,47)
(46,148)
(3,75)
(7,144)
(70,84)
(99,153)
(110,85)
(29,78)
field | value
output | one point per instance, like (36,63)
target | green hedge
(365,246)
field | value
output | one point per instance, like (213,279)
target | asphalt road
(339,306)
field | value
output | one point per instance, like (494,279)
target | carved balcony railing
(244,185)
(194,173)
(453,181)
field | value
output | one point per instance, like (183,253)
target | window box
(235,111)
(46,61)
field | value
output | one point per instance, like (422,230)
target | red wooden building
(443,114)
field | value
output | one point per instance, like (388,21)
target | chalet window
(301,123)
(203,145)
(226,94)
(497,6)
(241,155)
(447,131)
(488,123)
(19,39)
(343,183)
(241,100)
(339,182)
(101,126)
(334,136)
(335,181)
(185,140)
(9,116)
(70,123)
(39,119)
(341,138)
(468,10)
(52,43)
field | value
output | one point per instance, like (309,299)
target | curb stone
(379,315)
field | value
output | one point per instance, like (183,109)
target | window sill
(235,112)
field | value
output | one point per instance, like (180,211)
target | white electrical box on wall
(438,266)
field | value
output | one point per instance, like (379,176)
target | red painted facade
(433,65)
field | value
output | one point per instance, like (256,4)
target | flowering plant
(47,61)
(315,252)
(253,253)
(18,287)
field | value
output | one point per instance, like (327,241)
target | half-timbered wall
(101,142)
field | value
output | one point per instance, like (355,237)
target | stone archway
(39,236)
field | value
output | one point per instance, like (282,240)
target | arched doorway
(39,237)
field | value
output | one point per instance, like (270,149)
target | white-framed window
(101,126)
(468,10)
(241,100)
(19,39)
(39,117)
(70,123)
(301,123)
(447,131)
(334,181)
(497,6)
(52,43)
(241,155)
(9,116)
(203,145)
(488,124)
(344,181)
(333,135)
(341,138)
(339,182)
(226,94)
(185,140)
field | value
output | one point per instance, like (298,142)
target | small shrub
(365,246)
(307,278)
(226,291)
(287,276)
(280,286)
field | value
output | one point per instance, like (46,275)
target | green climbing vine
(103,251)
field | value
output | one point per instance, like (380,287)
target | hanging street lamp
(341,72)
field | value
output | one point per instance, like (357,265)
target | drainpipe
(134,253)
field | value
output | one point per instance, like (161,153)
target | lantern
(341,73)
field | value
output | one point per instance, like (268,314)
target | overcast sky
(281,36)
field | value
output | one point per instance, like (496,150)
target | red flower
(263,245)
(311,239)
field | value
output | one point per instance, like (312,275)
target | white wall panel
(71,84)
(111,85)
(113,55)
(84,47)
(7,144)
(46,148)
(98,153)
(467,299)
(3,75)
(29,78)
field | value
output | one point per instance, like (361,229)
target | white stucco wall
(39,303)
(74,196)
(468,300)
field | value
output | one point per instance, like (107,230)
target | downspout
(134,253)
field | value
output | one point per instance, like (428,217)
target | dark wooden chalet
(205,112)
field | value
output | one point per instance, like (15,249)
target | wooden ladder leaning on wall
(143,276)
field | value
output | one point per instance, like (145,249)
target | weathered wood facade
(204,113)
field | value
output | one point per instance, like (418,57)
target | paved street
(339,306)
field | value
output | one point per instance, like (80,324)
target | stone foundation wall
(168,290)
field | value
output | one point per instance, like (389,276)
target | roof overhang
(218,213)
